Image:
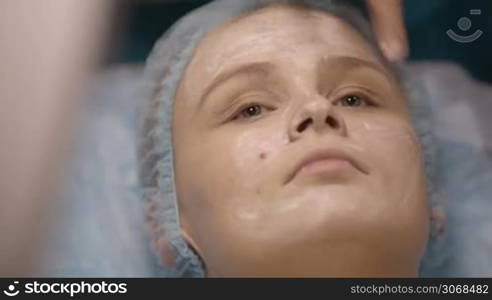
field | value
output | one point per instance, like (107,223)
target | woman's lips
(324,161)
(330,165)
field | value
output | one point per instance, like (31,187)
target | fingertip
(394,51)
(389,28)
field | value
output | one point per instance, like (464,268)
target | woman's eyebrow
(349,63)
(262,67)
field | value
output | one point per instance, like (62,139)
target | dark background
(427,22)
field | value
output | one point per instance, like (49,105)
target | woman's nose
(317,115)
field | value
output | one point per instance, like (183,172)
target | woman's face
(295,154)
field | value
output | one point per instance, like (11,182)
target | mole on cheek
(263,155)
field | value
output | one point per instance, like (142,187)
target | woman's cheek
(253,147)
(388,138)
(397,158)
(246,155)
(394,152)
(233,160)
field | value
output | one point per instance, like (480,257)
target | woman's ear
(193,247)
(190,241)
(439,218)
(186,235)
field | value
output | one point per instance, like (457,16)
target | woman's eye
(354,101)
(250,111)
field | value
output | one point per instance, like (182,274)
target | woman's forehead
(279,27)
(277,34)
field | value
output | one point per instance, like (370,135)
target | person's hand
(388,25)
